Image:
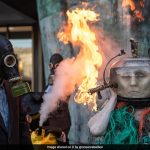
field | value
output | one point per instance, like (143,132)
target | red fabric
(144,113)
(120,105)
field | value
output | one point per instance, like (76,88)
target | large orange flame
(131,4)
(79,33)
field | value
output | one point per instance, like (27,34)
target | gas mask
(53,64)
(9,69)
(52,68)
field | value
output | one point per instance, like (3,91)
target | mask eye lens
(56,65)
(50,65)
(10,61)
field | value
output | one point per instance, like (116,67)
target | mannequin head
(132,77)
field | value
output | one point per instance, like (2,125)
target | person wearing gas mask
(53,63)
(59,120)
(13,128)
(125,118)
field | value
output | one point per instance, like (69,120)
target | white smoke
(69,73)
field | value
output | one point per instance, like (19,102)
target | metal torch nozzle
(101,87)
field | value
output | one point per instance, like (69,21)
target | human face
(133,82)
